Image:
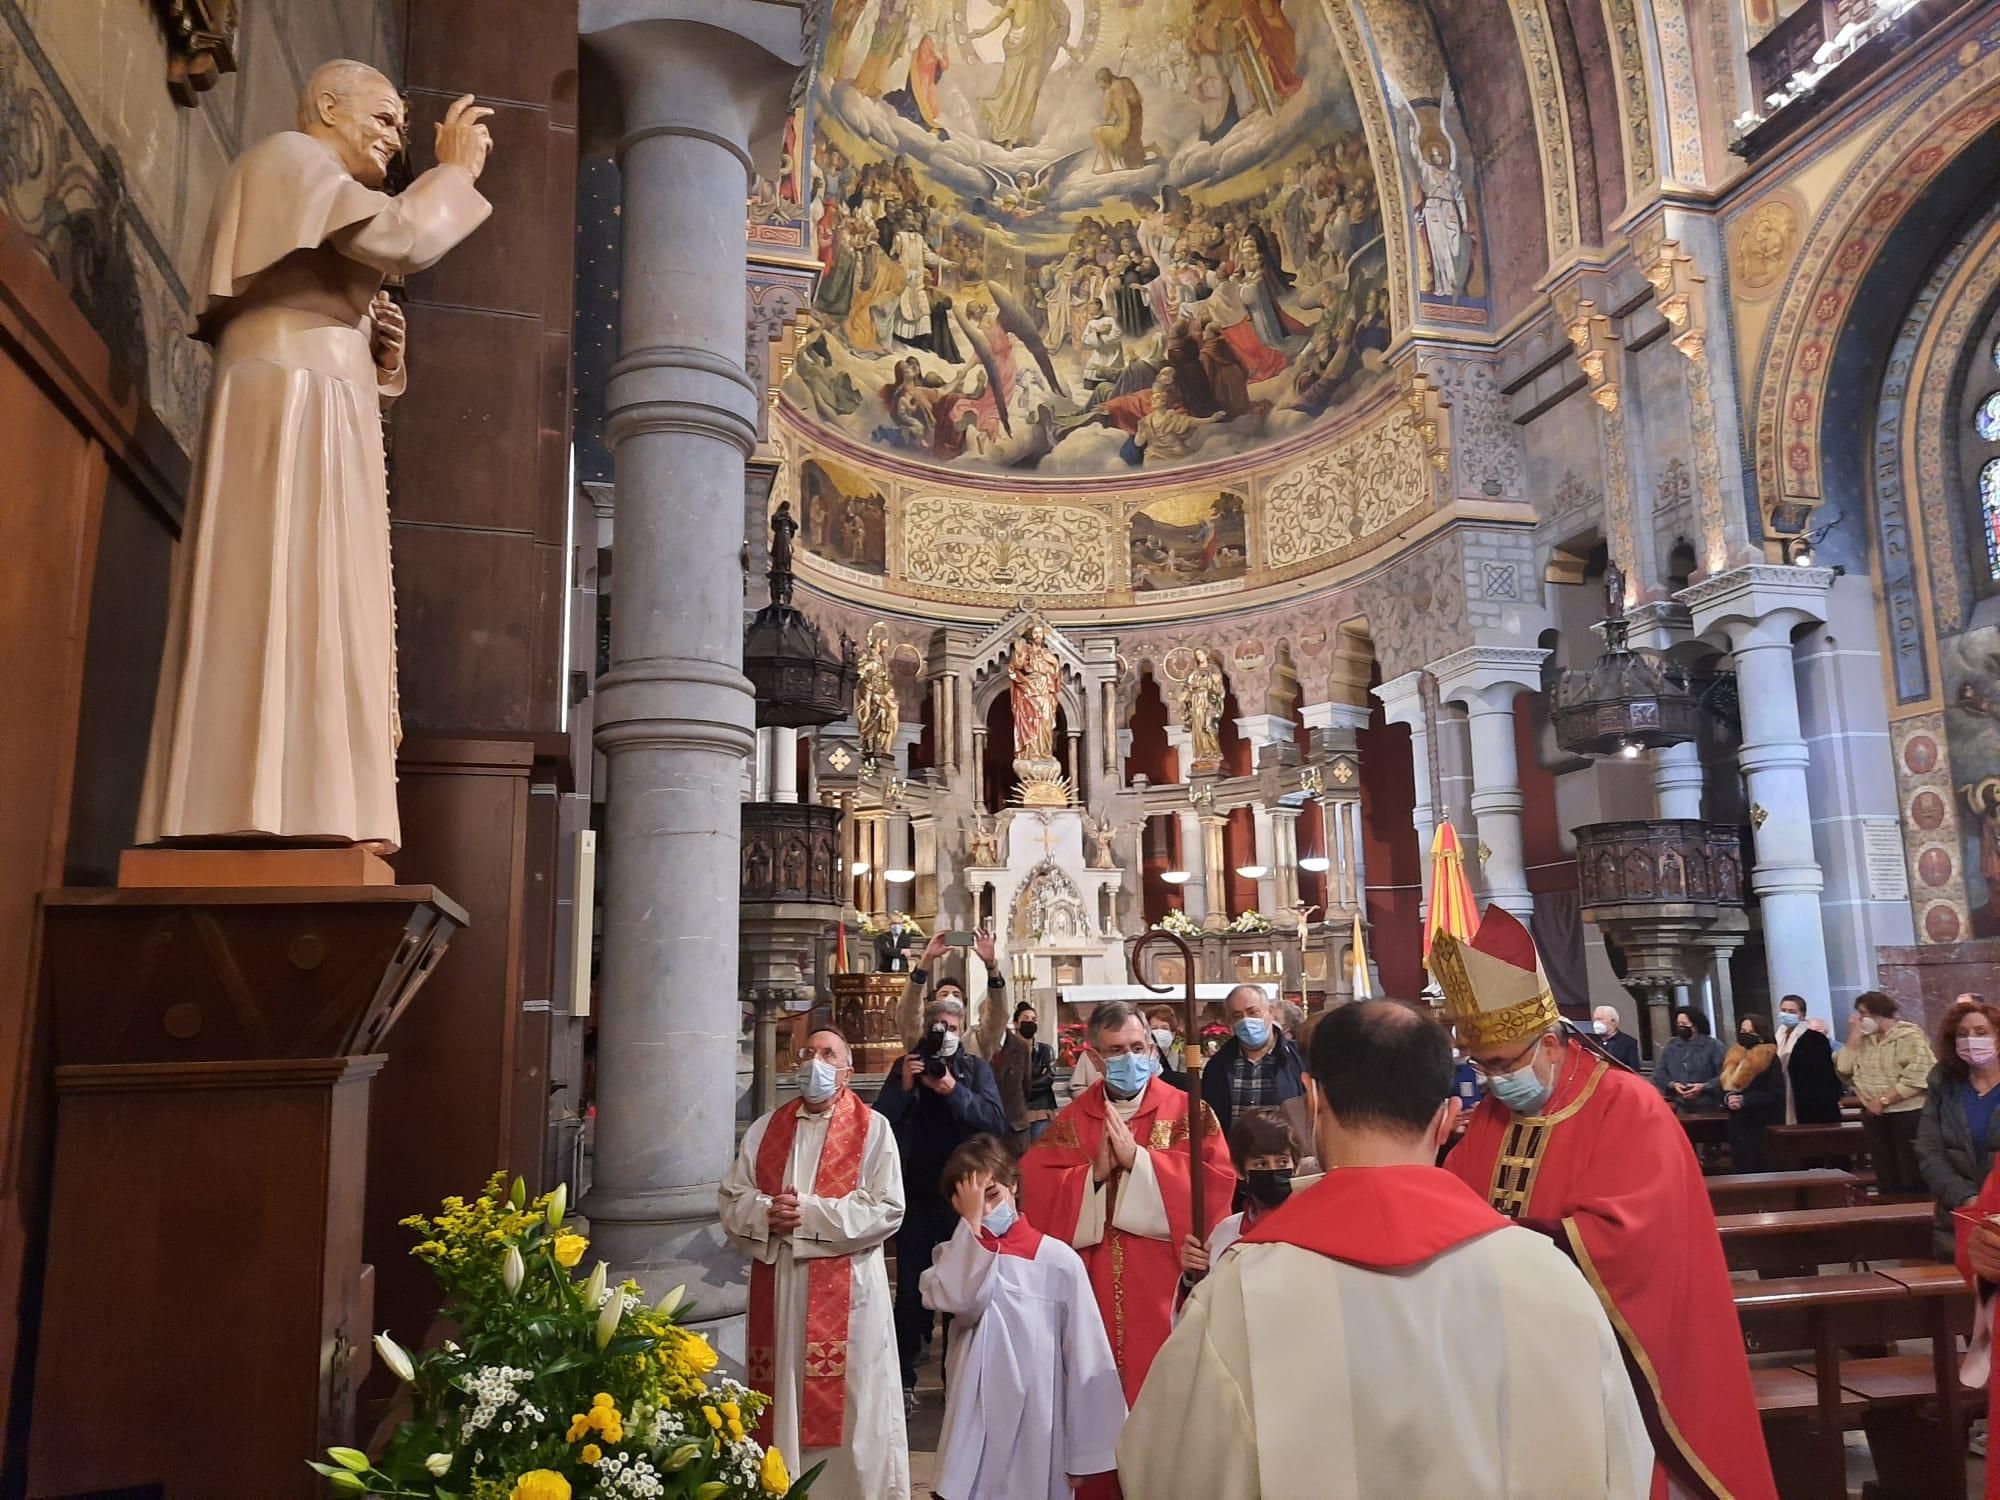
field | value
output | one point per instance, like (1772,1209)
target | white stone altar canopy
(1047,901)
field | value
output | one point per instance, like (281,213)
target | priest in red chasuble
(1112,1176)
(1570,1143)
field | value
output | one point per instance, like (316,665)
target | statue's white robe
(873,1461)
(1486,1373)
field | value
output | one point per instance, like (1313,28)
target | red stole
(1606,1170)
(1134,1277)
(829,1281)
(1380,1218)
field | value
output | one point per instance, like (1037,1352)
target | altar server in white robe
(1386,1332)
(1032,1393)
(815,1190)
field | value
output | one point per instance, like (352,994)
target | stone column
(1264,851)
(783,782)
(1486,679)
(1285,857)
(979,766)
(1215,868)
(674,714)
(1757,609)
(1194,895)
(1403,703)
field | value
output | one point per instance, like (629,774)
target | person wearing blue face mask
(1570,1143)
(1032,1401)
(1257,1067)
(1113,1178)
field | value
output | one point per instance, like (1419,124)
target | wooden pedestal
(865,1008)
(205,1289)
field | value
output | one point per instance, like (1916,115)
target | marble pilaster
(1486,680)
(1402,701)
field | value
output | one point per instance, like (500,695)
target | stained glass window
(1989,514)
(1986,421)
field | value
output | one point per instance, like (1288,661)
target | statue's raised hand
(462,141)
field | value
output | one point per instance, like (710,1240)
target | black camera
(931,1050)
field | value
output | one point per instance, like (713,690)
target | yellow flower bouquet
(557,1387)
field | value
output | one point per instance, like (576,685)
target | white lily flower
(558,1205)
(438,1465)
(593,1289)
(608,1320)
(395,1357)
(670,1304)
(513,1270)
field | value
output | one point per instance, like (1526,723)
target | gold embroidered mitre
(1494,987)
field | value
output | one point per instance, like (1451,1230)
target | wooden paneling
(466,433)
(71,426)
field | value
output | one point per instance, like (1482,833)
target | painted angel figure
(1440,208)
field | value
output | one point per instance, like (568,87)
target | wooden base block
(166,866)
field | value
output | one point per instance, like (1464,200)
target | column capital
(1352,716)
(1761,604)
(1265,729)
(723,73)
(1402,700)
(1488,676)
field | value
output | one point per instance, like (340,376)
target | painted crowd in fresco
(1088,236)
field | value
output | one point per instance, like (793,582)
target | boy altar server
(1385,1333)
(1032,1400)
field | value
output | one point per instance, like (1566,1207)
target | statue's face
(364,124)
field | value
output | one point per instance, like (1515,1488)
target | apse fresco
(1087,236)
(1188,541)
(844,517)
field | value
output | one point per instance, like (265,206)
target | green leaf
(351,1459)
(576,1359)
(630,1343)
(327,1469)
(804,1481)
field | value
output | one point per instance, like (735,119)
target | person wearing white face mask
(1889,1062)
(1570,1143)
(1621,1046)
(1958,1137)
(1316,1359)
(1812,1086)
(1032,1404)
(814,1192)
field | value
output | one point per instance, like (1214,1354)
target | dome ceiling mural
(1097,238)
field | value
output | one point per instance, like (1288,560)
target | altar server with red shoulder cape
(1571,1144)
(1032,1403)
(813,1193)
(1112,1177)
(1384,1333)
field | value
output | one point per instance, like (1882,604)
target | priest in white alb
(815,1191)
(1033,1405)
(1385,1332)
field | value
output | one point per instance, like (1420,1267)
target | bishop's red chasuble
(1133,1273)
(1985,1206)
(1606,1170)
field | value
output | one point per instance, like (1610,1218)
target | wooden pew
(1709,1135)
(1796,1241)
(1792,1147)
(1917,1441)
(1768,1192)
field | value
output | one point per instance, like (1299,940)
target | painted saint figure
(1036,678)
(1120,140)
(1440,208)
(1201,708)
(1037,30)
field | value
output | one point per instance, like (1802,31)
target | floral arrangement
(1179,923)
(871,927)
(1213,1035)
(1251,921)
(556,1388)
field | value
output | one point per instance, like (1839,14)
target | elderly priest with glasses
(1569,1143)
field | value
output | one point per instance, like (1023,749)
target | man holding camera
(985,1031)
(935,1099)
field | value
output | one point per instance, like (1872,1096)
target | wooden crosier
(1153,939)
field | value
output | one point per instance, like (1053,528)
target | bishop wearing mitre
(1113,1175)
(276,717)
(1570,1143)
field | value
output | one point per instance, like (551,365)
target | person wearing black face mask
(1688,1073)
(1260,1146)
(1025,1071)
